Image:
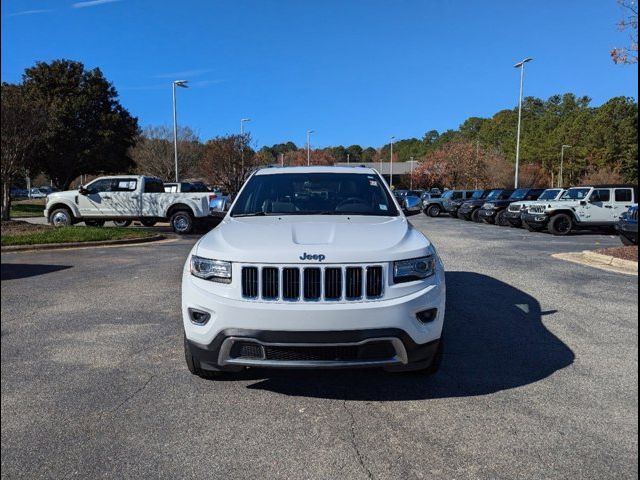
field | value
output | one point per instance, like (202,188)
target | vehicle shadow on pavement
(15,271)
(494,340)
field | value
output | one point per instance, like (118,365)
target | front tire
(61,217)
(475,216)
(148,223)
(182,222)
(531,228)
(433,211)
(501,220)
(561,224)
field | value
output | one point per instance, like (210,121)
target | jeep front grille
(312,284)
(537,208)
(515,208)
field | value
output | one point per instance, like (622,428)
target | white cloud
(29,12)
(92,3)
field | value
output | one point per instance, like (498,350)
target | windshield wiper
(252,214)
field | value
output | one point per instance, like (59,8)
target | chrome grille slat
(330,283)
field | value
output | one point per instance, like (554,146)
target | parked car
(453,203)
(494,211)
(516,209)
(126,198)
(313,267)
(16,192)
(627,226)
(436,206)
(592,207)
(470,210)
(37,193)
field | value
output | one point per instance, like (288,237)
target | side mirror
(83,190)
(412,205)
(583,202)
(219,206)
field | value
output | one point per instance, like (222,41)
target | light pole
(519,65)
(561,176)
(348,160)
(309,132)
(391,165)
(411,174)
(242,120)
(183,84)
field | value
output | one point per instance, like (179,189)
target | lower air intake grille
(382,350)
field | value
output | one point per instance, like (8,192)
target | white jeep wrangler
(313,267)
(593,207)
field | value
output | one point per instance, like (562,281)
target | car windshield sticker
(382,206)
(373,183)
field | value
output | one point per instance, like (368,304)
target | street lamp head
(245,119)
(520,64)
(309,132)
(181,83)
(566,146)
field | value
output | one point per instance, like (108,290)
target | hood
(64,194)
(476,203)
(292,238)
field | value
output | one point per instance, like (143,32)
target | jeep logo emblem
(315,256)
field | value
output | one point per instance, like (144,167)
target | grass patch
(27,209)
(22,233)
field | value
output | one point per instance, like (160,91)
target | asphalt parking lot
(539,378)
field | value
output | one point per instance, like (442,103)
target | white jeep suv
(313,267)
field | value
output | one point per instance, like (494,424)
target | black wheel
(194,365)
(628,241)
(475,216)
(122,223)
(148,223)
(61,217)
(460,216)
(94,223)
(433,210)
(561,224)
(182,222)
(500,219)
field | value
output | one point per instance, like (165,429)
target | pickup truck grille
(633,214)
(312,284)
(537,208)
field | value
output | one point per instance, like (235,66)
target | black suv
(493,211)
(470,209)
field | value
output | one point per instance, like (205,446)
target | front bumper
(539,220)
(514,218)
(289,325)
(487,215)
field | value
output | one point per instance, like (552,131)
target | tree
(153,153)
(88,131)
(22,124)
(227,161)
(629,54)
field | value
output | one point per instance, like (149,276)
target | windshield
(548,195)
(314,194)
(494,194)
(519,194)
(478,194)
(447,194)
(576,194)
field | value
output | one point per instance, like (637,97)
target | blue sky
(355,71)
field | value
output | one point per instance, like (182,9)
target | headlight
(488,206)
(413,269)
(214,270)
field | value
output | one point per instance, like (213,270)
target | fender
(568,211)
(187,204)
(63,202)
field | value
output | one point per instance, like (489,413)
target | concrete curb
(56,246)
(603,262)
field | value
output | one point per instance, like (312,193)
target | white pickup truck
(125,198)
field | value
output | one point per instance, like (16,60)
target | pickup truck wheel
(433,210)
(94,223)
(561,224)
(148,223)
(122,223)
(500,220)
(61,217)
(182,222)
